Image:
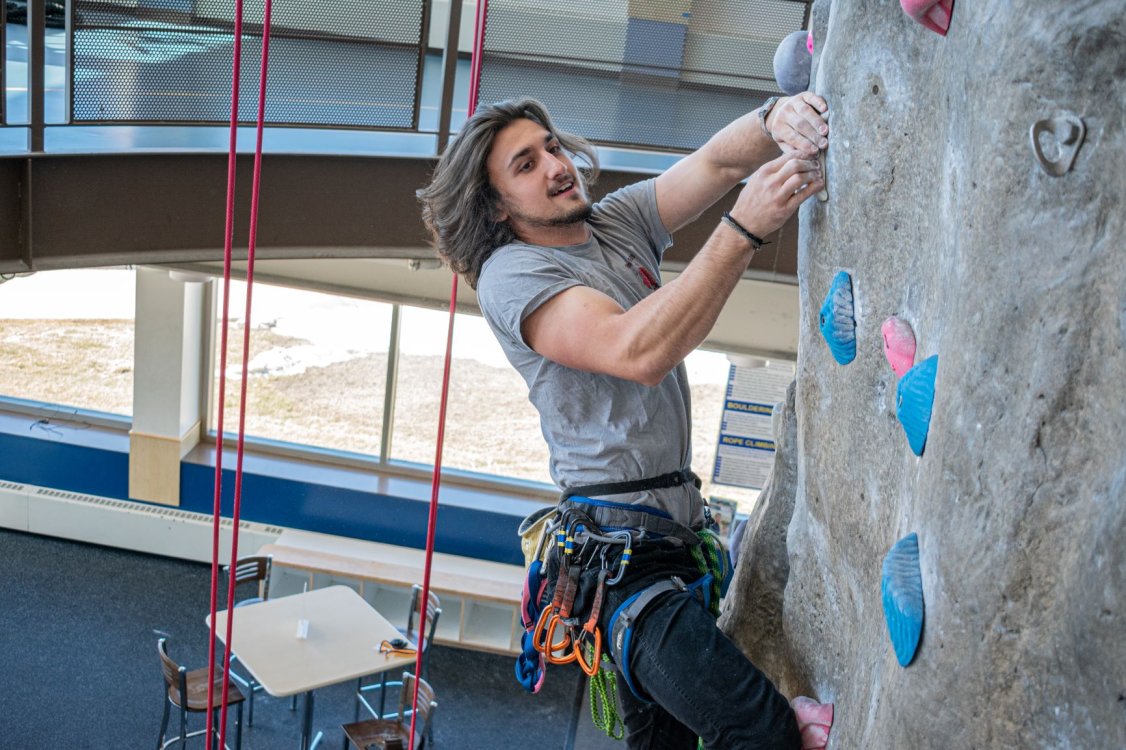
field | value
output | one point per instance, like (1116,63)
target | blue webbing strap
(626,615)
(631,516)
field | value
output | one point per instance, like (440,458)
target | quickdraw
(590,634)
(553,635)
(556,651)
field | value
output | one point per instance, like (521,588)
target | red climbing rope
(432,523)
(228,241)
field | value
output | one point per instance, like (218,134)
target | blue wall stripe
(291,503)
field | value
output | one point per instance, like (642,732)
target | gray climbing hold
(792,63)
(1063,135)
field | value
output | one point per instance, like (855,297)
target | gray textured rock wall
(1017,280)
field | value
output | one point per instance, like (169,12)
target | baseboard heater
(125,524)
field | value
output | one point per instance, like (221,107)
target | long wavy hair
(459,206)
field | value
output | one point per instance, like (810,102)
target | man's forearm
(740,148)
(669,324)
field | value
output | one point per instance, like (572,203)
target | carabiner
(590,668)
(627,553)
(549,653)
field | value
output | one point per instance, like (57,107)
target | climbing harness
(648,522)
(593,551)
(664,481)
(626,616)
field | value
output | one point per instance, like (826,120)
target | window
(491,427)
(67,338)
(317,370)
(318,377)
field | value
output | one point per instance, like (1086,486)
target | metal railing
(624,74)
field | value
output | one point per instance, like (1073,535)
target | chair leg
(382,692)
(183,725)
(250,689)
(238,727)
(163,724)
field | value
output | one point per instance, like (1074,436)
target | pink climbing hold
(934,14)
(814,722)
(899,344)
(809,41)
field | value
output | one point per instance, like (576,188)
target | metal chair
(255,569)
(394,731)
(187,691)
(433,612)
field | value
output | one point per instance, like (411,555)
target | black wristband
(756,241)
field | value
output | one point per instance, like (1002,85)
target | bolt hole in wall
(317,373)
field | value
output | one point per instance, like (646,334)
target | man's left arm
(697,181)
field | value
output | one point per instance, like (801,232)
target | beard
(575,215)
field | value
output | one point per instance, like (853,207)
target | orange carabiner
(539,633)
(596,658)
(552,647)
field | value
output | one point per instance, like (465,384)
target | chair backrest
(256,568)
(175,676)
(433,612)
(426,706)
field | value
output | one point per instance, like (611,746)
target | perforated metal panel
(666,74)
(351,63)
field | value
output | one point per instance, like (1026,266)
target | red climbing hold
(934,14)
(899,344)
(814,722)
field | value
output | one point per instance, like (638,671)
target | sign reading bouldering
(745,451)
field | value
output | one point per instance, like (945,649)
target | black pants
(701,684)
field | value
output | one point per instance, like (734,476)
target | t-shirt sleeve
(635,207)
(514,283)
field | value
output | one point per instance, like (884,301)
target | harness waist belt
(611,516)
(664,481)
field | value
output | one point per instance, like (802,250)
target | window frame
(382,463)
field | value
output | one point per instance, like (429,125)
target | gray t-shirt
(598,428)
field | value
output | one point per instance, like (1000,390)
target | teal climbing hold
(914,400)
(902,589)
(838,319)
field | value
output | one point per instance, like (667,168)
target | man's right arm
(586,330)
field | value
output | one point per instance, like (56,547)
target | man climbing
(572,291)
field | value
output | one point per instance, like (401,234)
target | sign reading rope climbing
(745,451)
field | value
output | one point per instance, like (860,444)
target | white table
(342,643)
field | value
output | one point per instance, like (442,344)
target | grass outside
(491,426)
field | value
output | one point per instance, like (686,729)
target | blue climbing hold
(838,321)
(902,589)
(913,401)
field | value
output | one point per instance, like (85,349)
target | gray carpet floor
(78,665)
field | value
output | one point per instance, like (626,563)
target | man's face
(539,187)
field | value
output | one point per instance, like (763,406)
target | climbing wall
(1000,443)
